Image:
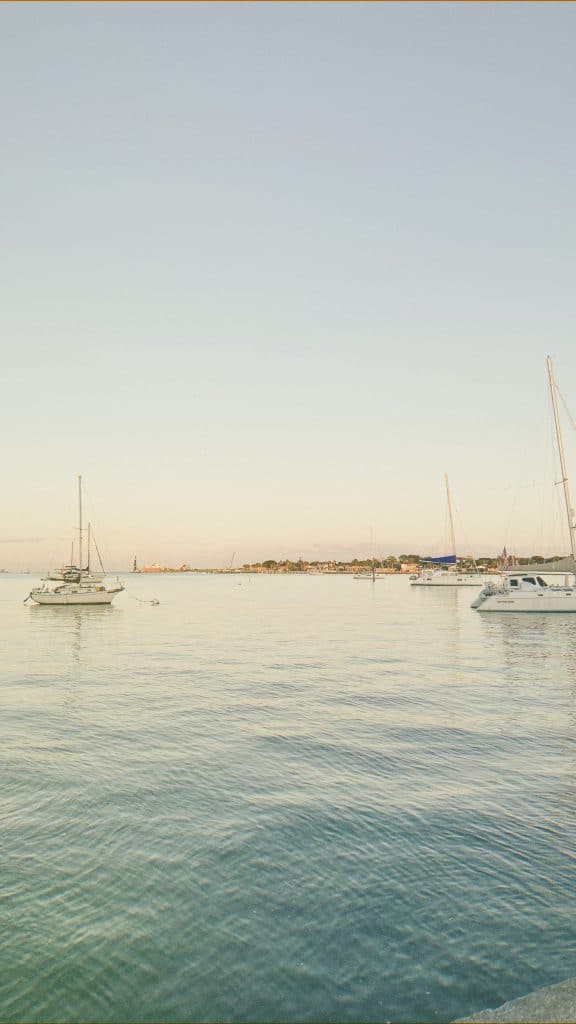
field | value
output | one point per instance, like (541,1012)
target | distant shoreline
(389,566)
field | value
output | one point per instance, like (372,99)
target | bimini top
(444,560)
(558,565)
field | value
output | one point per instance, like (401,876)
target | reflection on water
(306,798)
(524,624)
(75,628)
(531,639)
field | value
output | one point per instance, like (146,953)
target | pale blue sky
(270,270)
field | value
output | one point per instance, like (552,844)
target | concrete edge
(554,1004)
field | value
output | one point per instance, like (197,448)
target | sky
(270,270)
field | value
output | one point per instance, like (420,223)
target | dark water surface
(283,799)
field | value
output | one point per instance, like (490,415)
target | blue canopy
(444,560)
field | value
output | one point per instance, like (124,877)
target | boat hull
(549,600)
(449,580)
(98,597)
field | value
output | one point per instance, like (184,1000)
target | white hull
(524,588)
(78,584)
(549,599)
(79,597)
(449,579)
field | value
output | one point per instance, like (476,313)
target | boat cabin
(525,582)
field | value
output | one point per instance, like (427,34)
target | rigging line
(141,600)
(98,552)
(567,410)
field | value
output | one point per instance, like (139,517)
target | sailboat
(444,572)
(76,584)
(370,574)
(523,588)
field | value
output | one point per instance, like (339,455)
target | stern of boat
(487,592)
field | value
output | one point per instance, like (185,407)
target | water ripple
(356,806)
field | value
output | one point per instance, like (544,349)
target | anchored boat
(523,588)
(444,571)
(76,584)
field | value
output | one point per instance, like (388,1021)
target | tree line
(390,562)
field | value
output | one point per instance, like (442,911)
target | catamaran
(443,571)
(523,588)
(76,584)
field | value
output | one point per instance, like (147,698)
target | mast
(88,557)
(567,501)
(80,523)
(372,556)
(452,535)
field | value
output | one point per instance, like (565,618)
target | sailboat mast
(88,555)
(567,501)
(80,523)
(452,535)
(372,556)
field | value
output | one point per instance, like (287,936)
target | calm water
(283,799)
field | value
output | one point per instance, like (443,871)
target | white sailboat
(524,588)
(444,572)
(370,574)
(76,584)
